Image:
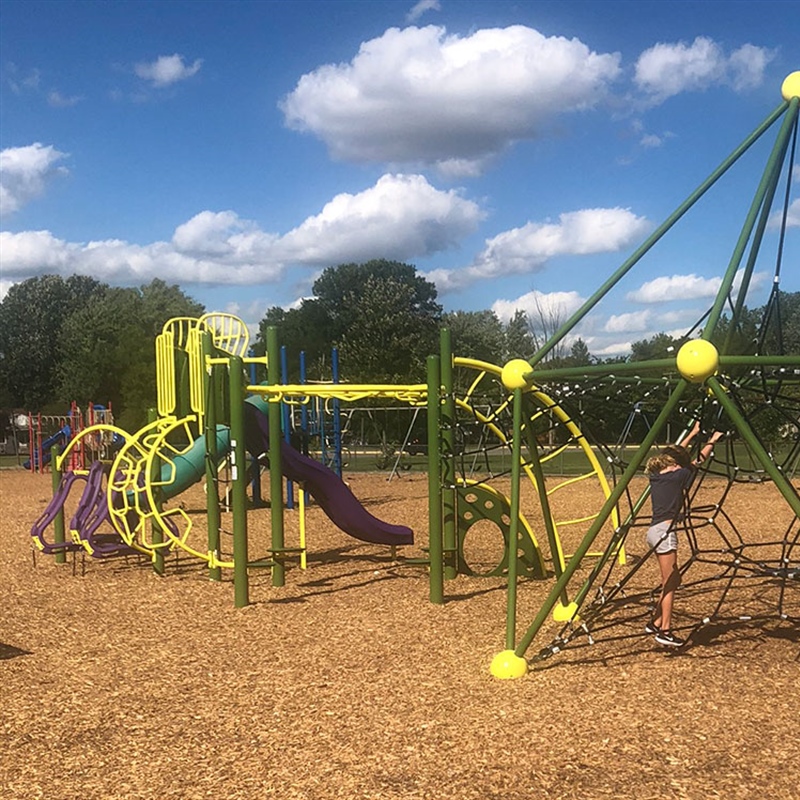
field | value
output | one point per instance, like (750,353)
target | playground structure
(35,435)
(737,386)
(207,412)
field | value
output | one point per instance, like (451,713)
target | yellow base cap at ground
(562,613)
(508,665)
(791,86)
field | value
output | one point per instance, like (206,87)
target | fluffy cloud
(166,70)
(792,216)
(540,305)
(675,287)
(527,249)
(686,287)
(418,95)
(665,70)
(401,217)
(24,171)
(630,322)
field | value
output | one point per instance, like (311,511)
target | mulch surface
(348,683)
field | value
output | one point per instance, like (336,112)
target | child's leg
(670,580)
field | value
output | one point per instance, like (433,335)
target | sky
(516,153)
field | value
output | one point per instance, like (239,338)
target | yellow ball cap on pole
(514,372)
(697,360)
(791,86)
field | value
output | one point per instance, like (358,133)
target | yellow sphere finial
(697,360)
(791,86)
(514,372)
(507,665)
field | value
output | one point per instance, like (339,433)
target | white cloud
(166,70)
(686,287)
(675,287)
(551,305)
(792,216)
(401,216)
(630,322)
(418,95)
(24,172)
(421,7)
(525,250)
(665,70)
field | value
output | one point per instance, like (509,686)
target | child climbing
(671,473)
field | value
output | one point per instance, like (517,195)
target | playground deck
(348,683)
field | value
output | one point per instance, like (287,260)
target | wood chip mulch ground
(349,683)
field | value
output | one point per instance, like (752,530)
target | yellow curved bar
(86,432)
(411,393)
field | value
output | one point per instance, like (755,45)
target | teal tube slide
(190,467)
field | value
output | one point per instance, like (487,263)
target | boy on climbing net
(671,473)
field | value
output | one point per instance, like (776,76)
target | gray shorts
(661,538)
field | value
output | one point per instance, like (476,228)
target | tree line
(83,340)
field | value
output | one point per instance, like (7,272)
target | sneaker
(651,627)
(669,639)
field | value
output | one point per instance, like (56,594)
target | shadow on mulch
(9,651)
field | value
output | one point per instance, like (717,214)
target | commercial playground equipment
(207,411)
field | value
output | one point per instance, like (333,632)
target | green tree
(477,334)
(109,347)
(381,315)
(662,345)
(579,355)
(32,338)
(519,340)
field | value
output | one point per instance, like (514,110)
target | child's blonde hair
(672,455)
(659,463)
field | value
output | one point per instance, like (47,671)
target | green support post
(239,483)
(447,438)
(435,542)
(513,533)
(57,473)
(275,471)
(156,534)
(213,513)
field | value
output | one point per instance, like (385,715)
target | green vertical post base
(59,536)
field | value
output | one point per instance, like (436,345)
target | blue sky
(515,152)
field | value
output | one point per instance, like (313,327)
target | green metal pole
(212,456)
(156,534)
(435,543)
(772,177)
(570,324)
(765,192)
(544,502)
(241,587)
(275,471)
(447,433)
(783,484)
(58,523)
(612,500)
(513,532)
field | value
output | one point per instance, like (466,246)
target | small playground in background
(169,632)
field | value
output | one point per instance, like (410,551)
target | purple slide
(90,515)
(325,486)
